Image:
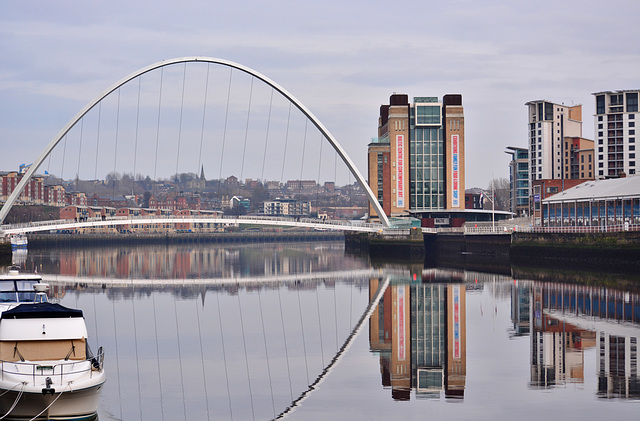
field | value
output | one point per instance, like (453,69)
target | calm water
(306,332)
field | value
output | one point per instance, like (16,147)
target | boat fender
(48,388)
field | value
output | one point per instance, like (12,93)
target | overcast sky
(342,59)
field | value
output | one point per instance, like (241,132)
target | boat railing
(36,370)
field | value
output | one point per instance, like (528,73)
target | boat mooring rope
(17,398)
(52,402)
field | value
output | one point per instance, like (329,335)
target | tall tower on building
(615,129)
(416,164)
(549,124)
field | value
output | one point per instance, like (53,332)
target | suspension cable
(155,165)
(246,358)
(115,152)
(286,348)
(64,154)
(286,141)
(319,166)
(184,404)
(204,114)
(204,377)
(135,339)
(95,169)
(226,118)
(266,352)
(135,148)
(115,331)
(79,153)
(224,354)
(266,139)
(184,77)
(304,345)
(319,324)
(246,131)
(155,324)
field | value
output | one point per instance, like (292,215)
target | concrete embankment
(56,240)
(607,251)
(498,252)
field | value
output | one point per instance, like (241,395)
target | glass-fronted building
(416,164)
(519,186)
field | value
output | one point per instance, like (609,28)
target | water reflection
(568,319)
(419,331)
(254,332)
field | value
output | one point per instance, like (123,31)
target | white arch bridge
(101,159)
(140,221)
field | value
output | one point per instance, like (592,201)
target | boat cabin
(42,332)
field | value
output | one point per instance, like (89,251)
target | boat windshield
(20,291)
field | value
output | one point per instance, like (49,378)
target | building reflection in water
(419,331)
(192,262)
(568,319)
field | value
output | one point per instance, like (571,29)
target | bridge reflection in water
(249,332)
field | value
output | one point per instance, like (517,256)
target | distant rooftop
(613,188)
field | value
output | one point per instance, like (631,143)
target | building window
(599,134)
(632,124)
(600,149)
(632,102)
(427,114)
(600,126)
(600,104)
(632,147)
(632,156)
(600,118)
(632,132)
(632,116)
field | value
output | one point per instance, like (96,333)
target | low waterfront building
(597,203)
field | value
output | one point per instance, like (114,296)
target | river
(306,331)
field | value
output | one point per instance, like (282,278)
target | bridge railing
(213,218)
(582,229)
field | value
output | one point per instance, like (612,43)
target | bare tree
(501,191)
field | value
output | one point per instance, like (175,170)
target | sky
(341,59)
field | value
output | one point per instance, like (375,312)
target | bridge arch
(334,143)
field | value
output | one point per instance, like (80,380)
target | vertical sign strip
(456,322)
(455,139)
(400,170)
(401,325)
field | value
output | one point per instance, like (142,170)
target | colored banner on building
(455,176)
(456,322)
(402,354)
(400,171)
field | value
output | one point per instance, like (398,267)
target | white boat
(19,241)
(47,370)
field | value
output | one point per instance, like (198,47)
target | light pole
(493,207)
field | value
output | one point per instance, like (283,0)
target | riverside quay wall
(55,240)
(499,252)
(613,251)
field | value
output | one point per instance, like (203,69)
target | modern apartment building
(416,164)
(519,187)
(615,132)
(549,125)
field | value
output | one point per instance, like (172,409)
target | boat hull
(71,405)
